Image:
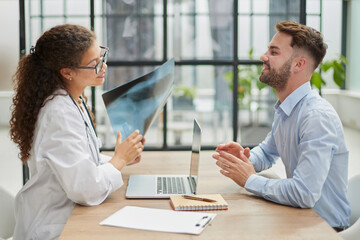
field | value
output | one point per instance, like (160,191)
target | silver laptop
(163,186)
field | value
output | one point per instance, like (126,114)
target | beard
(277,80)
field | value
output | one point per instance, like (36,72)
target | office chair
(7,218)
(353,232)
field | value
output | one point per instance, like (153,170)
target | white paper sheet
(159,220)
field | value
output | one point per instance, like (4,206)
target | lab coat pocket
(49,232)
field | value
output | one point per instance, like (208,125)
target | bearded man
(307,134)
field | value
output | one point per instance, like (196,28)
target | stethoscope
(92,136)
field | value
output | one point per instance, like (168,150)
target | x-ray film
(136,104)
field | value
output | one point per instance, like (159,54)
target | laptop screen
(195,156)
(136,104)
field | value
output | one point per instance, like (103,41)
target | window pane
(255,29)
(331,29)
(34,7)
(133,31)
(202,92)
(100,31)
(150,7)
(53,7)
(202,35)
(313,21)
(313,6)
(260,6)
(261,36)
(34,33)
(253,35)
(284,7)
(78,7)
(256,106)
(83,21)
(244,6)
(98,7)
(120,75)
(52,22)
(283,10)
(244,37)
(128,7)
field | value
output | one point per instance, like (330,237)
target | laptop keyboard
(170,185)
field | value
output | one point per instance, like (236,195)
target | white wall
(331,30)
(353,49)
(9,52)
(9,41)
(10,165)
(346,103)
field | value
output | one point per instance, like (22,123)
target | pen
(198,198)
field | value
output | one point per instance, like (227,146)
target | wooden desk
(248,217)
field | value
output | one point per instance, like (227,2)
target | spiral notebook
(180,203)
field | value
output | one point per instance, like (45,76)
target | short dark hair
(306,38)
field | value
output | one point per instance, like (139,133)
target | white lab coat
(64,170)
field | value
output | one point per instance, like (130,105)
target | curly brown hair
(306,38)
(38,76)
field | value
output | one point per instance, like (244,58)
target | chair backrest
(353,195)
(352,233)
(7,218)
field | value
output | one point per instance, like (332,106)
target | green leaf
(260,85)
(251,52)
(316,80)
(258,70)
(186,91)
(327,65)
(229,76)
(338,67)
(339,78)
(343,60)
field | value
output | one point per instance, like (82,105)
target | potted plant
(183,97)
(247,77)
(251,98)
(337,66)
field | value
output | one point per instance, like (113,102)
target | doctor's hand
(129,151)
(138,159)
(237,169)
(233,148)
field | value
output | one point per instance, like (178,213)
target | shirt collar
(290,102)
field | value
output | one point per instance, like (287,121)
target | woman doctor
(52,127)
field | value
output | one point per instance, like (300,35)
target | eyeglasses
(100,64)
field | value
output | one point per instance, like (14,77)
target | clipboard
(159,220)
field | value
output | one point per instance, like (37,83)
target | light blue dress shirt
(307,135)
